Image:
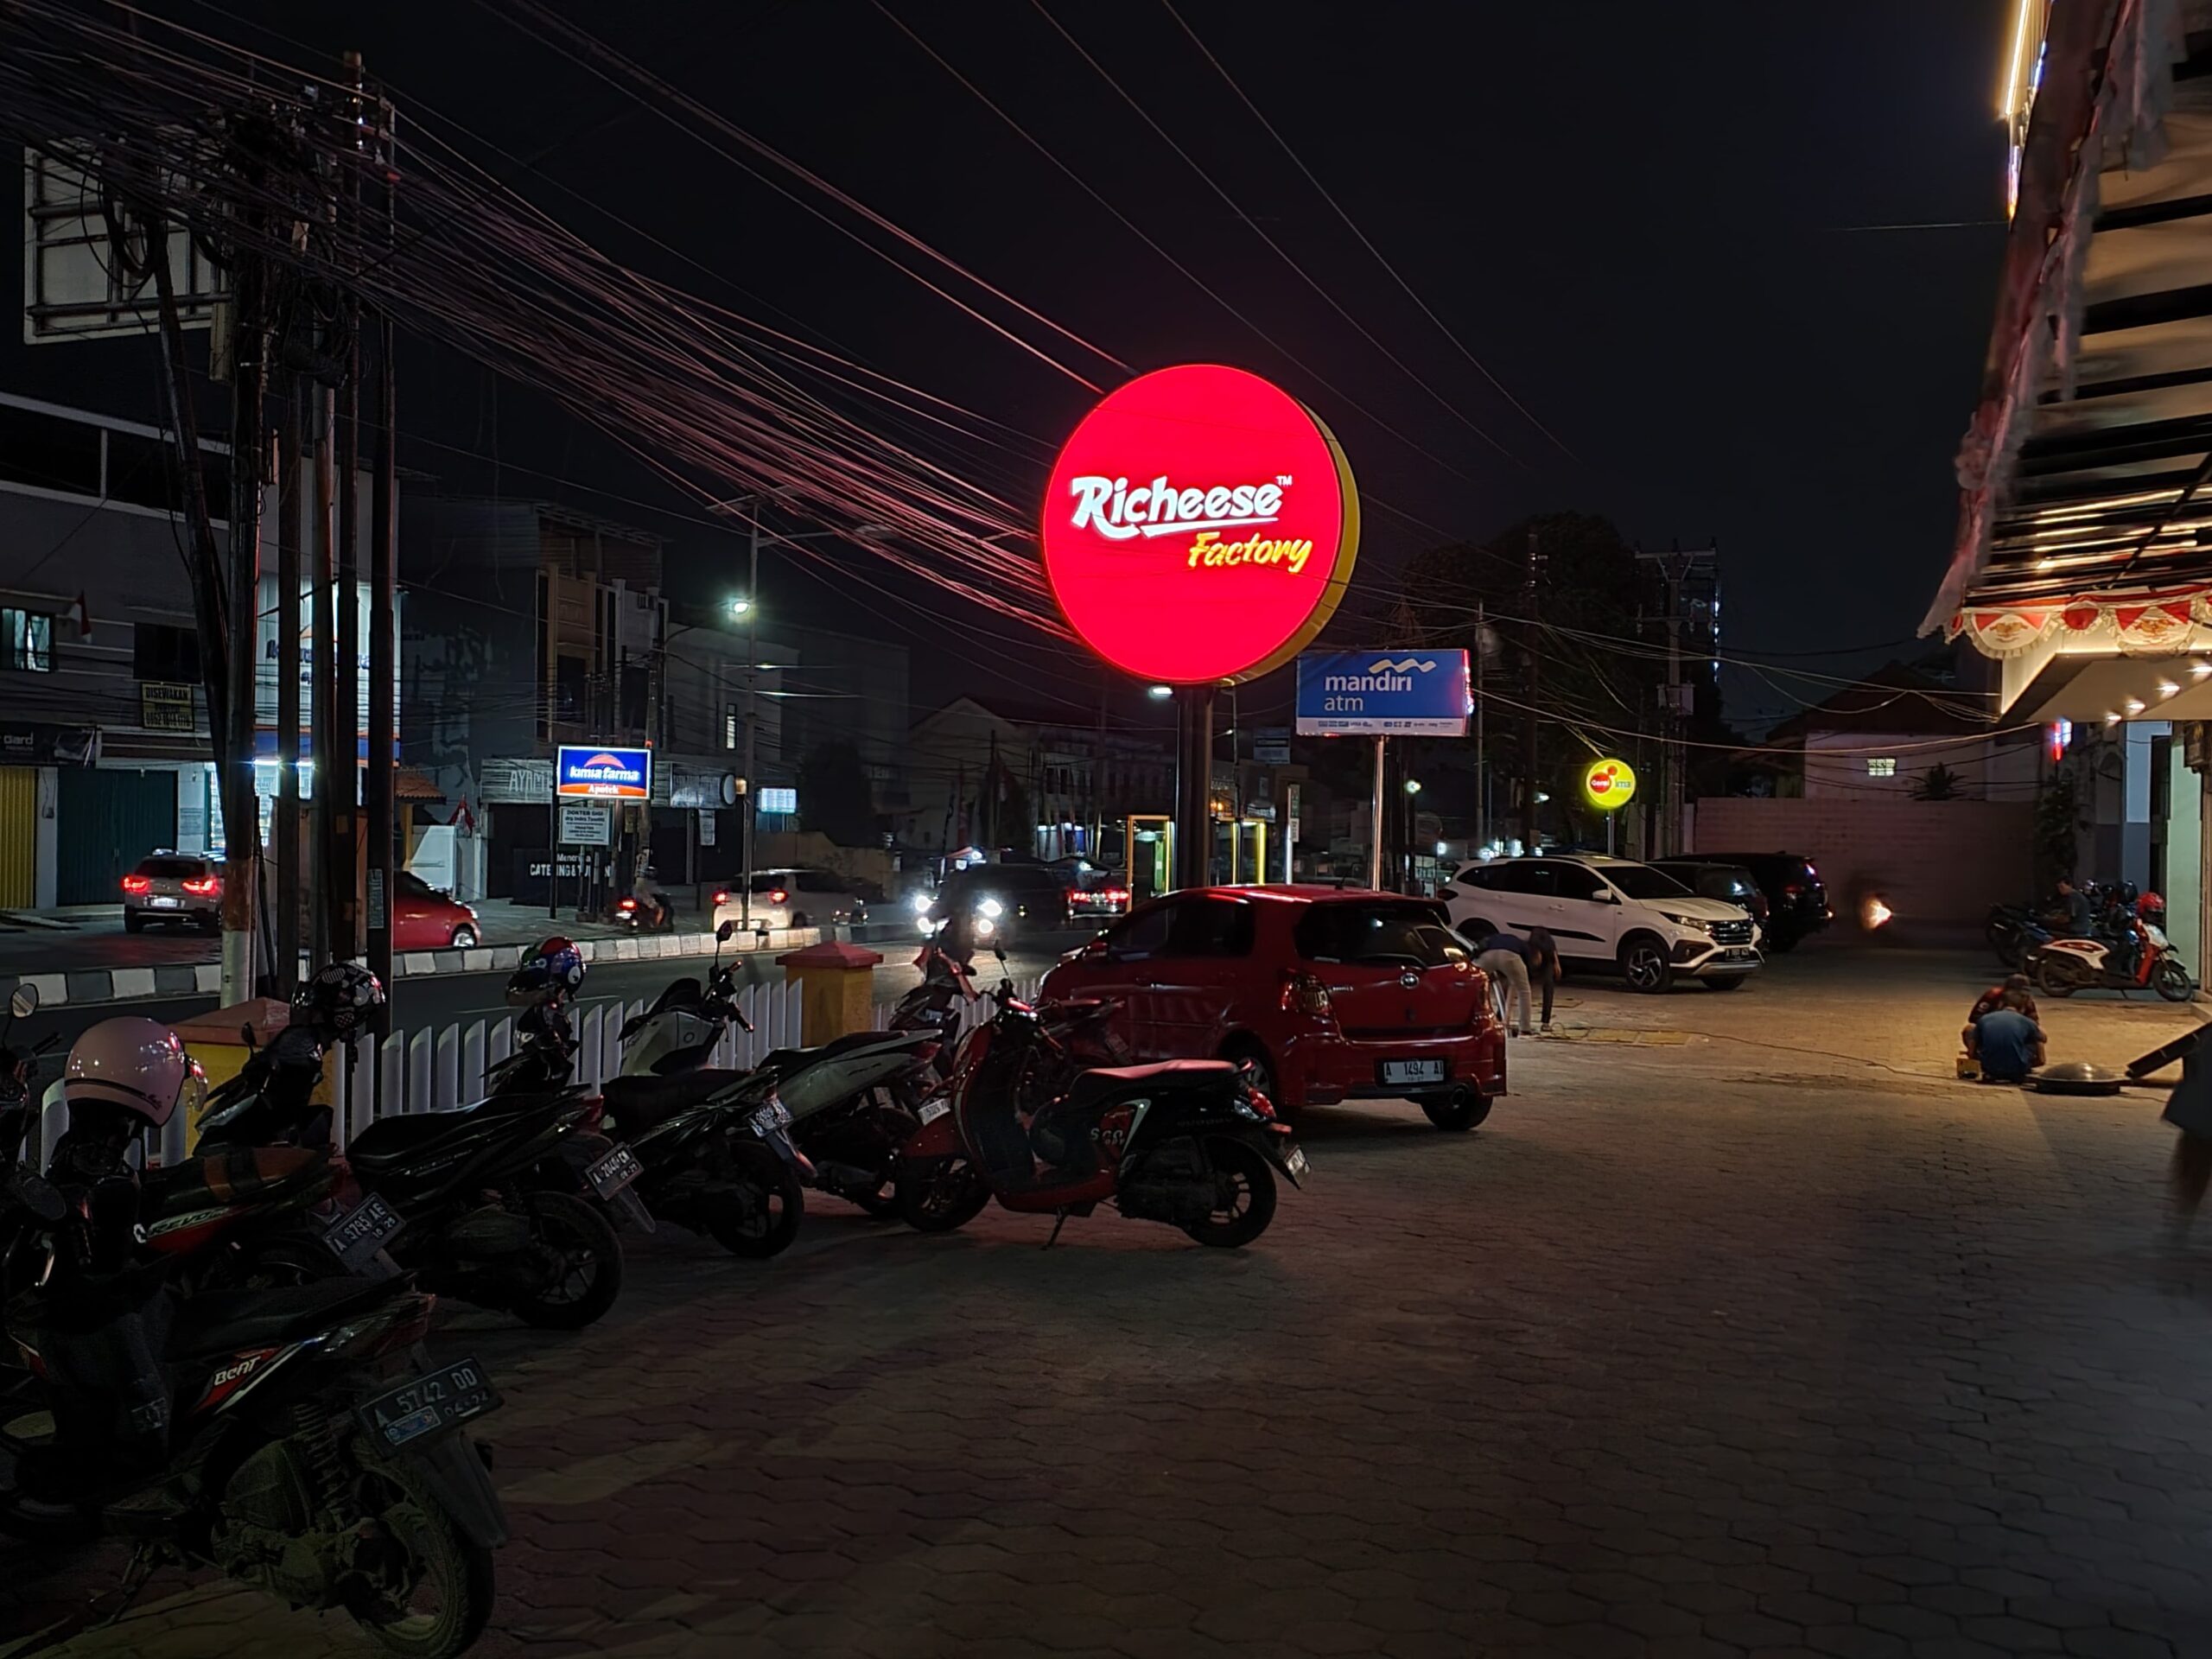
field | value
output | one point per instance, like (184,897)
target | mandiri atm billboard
(1383,694)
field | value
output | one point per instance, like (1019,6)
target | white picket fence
(441,1069)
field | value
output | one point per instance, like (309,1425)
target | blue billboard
(587,772)
(1383,694)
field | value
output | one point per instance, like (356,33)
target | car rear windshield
(170,869)
(1641,881)
(1377,932)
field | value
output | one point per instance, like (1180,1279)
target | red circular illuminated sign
(1199,526)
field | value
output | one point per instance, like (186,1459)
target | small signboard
(588,773)
(1383,694)
(165,708)
(587,823)
(779,800)
(705,829)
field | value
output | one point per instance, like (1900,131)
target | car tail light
(1791,889)
(135,884)
(205,884)
(1303,994)
(778,895)
(1116,895)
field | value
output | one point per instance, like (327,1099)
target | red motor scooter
(1188,1142)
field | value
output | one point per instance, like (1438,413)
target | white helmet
(138,1065)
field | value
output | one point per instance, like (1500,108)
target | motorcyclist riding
(653,911)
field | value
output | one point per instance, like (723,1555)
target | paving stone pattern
(1693,1349)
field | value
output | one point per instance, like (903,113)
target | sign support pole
(1193,785)
(1375,823)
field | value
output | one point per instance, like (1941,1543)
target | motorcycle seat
(638,1104)
(1103,1082)
(790,1060)
(390,1140)
(234,1176)
(225,1321)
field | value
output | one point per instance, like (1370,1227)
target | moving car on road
(794,897)
(183,888)
(1004,902)
(1330,995)
(1610,910)
(1797,904)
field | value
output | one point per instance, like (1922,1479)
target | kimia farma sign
(1199,526)
(590,772)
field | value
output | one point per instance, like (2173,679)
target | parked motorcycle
(286,1439)
(2012,931)
(2145,962)
(844,1104)
(1187,1142)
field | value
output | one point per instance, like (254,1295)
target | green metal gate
(106,823)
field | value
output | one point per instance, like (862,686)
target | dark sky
(1642,218)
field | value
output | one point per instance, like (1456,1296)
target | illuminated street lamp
(740,605)
(1160,693)
(1412,785)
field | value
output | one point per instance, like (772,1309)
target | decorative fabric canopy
(2147,622)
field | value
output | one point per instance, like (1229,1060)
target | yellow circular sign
(1609,784)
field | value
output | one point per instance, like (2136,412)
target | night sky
(1648,221)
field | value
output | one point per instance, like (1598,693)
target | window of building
(49,452)
(27,641)
(729,726)
(161,652)
(1881,766)
(569,691)
(635,683)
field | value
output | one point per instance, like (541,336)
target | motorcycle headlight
(985,927)
(921,902)
(991,909)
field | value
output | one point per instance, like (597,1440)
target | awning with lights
(2085,525)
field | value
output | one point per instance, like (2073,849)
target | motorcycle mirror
(998,951)
(38,1196)
(726,931)
(24,1002)
(246,1031)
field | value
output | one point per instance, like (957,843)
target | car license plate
(165,904)
(610,1174)
(1412,1072)
(427,1405)
(361,1231)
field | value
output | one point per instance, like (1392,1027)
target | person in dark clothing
(1994,999)
(2009,1043)
(1538,951)
(2072,916)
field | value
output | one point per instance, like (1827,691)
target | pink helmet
(138,1065)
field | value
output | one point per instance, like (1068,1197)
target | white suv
(1610,910)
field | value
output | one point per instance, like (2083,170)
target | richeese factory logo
(1109,506)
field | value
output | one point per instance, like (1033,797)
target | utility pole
(1531,585)
(331,770)
(752,713)
(285,824)
(384,536)
(1677,698)
(1482,758)
(1375,823)
(239,634)
(345,744)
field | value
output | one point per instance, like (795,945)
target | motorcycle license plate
(1294,1162)
(767,1120)
(427,1405)
(932,1110)
(611,1173)
(361,1231)
(1412,1072)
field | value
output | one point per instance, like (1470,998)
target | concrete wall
(1937,863)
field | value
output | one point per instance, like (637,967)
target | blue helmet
(554,969)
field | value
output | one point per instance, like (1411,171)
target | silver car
(794,897)
(185,889)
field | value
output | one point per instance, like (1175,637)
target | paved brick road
(1716,1347)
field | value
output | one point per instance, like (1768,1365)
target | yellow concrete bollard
(837,989)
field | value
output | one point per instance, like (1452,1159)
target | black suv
(1797,902)
(1006,901)
(1711,879)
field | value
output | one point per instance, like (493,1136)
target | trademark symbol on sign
(1283,478)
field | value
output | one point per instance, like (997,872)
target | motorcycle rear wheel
(2055,980)
(1248,1205)
(767,1220)
(938,1195)
(585,1243)
(456,1570)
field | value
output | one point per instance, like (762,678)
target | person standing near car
(1539,955)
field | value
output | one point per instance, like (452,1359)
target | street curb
(77,987)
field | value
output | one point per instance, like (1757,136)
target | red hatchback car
(1333,994)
